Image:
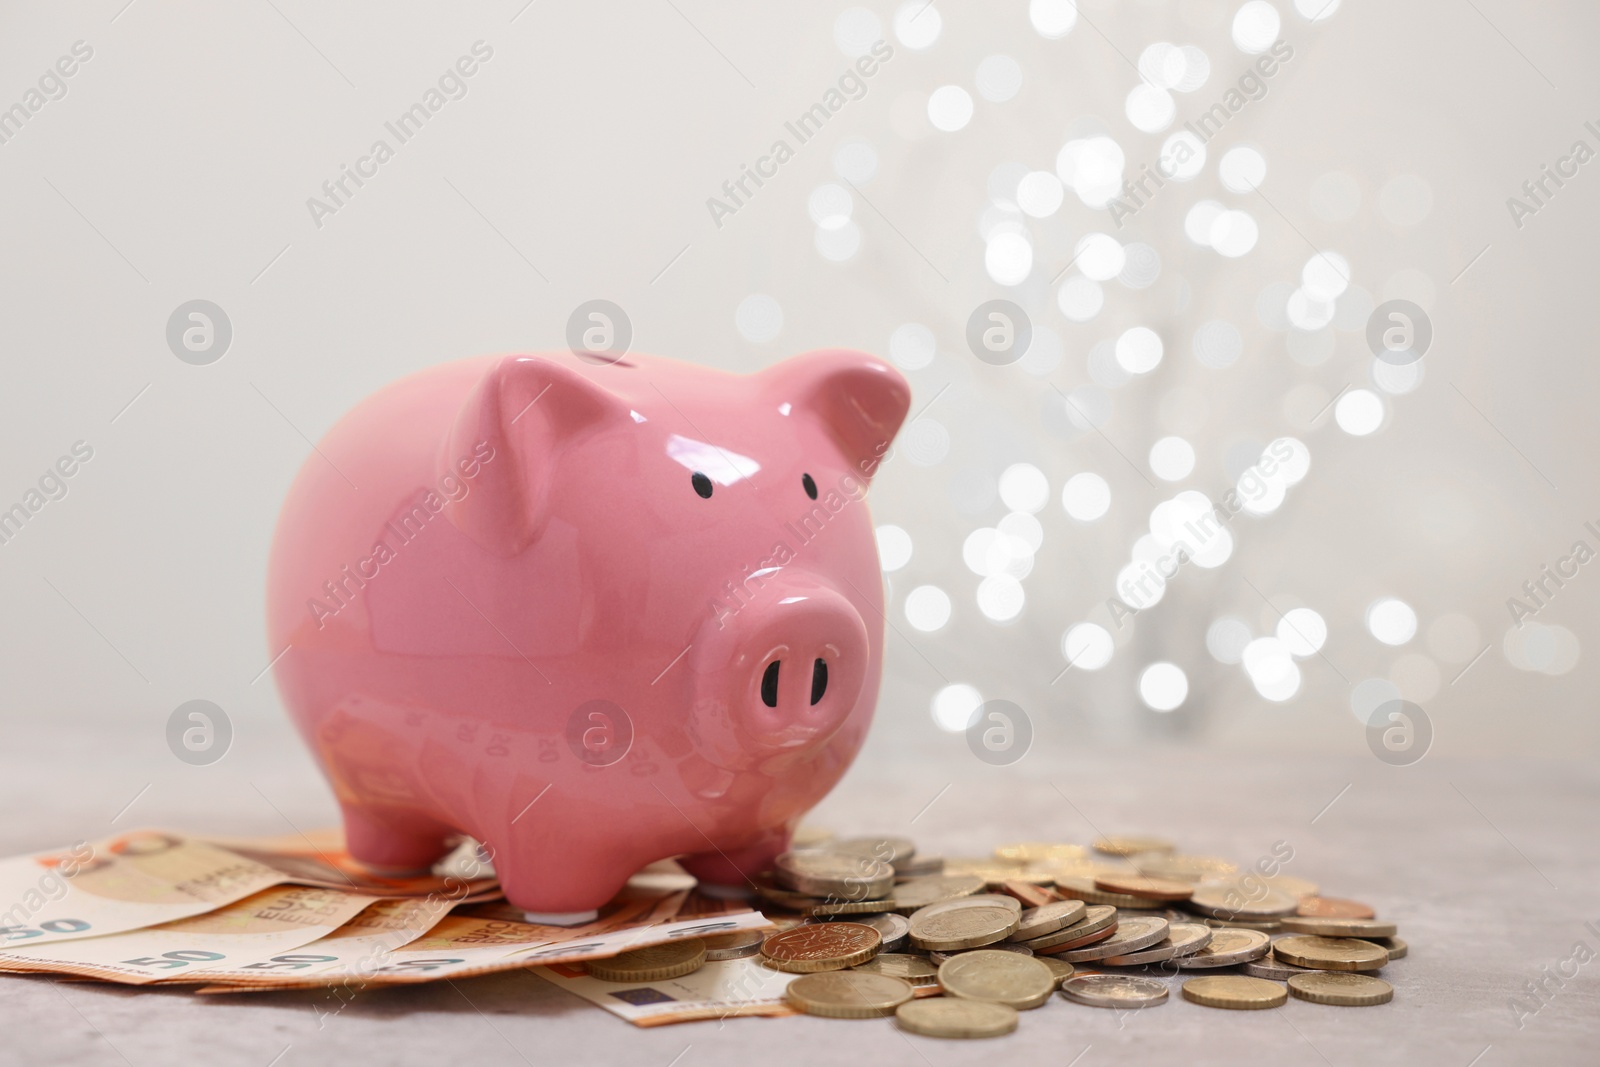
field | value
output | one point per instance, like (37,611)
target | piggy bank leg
(731,872)
(375,842)
(554,882)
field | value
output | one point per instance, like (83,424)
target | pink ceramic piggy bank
(592,614)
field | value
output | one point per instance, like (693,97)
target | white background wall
(578,165)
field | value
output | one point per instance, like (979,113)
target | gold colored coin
(1295,887)
(1397,948)
(1330,953)
(919,867)
(850,907)
(938,957)
(891,850)
(1335,927)
(953,1017)
(809,837)
(1333,908)
(1183,939)
(835,875)
(1131,844)
(1131,935)
(1060,969)
(1341,987)
(1269,926)
(1226,948)
(917,970)
(1082,887)
(1114,991)
(1028,894)
(1234,991)
(1048,918)
(1178,868)
(734,946)
(971,922)
(652,963)
(1097,918)
(1006,978)
(847,994)
(1270,966)
(1234,900)
(1142,886)
(821,947)
(920,892)
(1040,852)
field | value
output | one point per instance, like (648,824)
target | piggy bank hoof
(561,918)
(726,892)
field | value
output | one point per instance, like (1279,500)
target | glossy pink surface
(511,612)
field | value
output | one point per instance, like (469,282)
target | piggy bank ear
(859,399)
(514,427)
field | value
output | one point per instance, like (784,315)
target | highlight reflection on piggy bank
(592,614)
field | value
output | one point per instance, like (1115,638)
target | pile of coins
(957,948)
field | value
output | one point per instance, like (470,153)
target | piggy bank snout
(788,667)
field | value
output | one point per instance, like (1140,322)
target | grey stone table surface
(1492,871)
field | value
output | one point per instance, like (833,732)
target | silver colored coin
(1269,966)
(1131,935)
(1003,946)
(890,850)
(1227,947)
(935,889)
(1114,991)
(1048,918)
(835,875)
(1183,939)
(734,946)
(894,929)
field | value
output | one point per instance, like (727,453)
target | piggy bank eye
(809,486)
(702,484)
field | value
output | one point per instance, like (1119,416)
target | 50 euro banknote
(245,935)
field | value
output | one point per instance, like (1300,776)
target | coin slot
(769,685)
(819,680)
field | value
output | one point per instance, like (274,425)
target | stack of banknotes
(217,915)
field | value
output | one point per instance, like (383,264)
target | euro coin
(734,946)
(999,946)
(967,923)
(1229,900)
(1060,969)
(1028,894)
(1082,887)
(848,994)
(1097,920)
(1330,953)
(821,947)
(1234,991)
(1000,977)
(1226,948)
(1149,888)
(1341,987)
(1130,936)
(1270,966)
(891,850)
(835,875)
(1321,927)
(953,1017)
(652,963)
(1395,947)
(1114,991)
(894,929)
(1181,868)
(1333,908)
(850,907)
(1039,852)
(1183,939)
(1131,844)
(917,970)
(1048,918)
(920,892)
